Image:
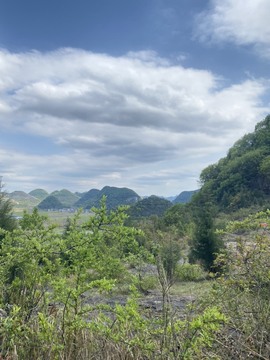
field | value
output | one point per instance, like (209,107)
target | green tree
(205,244)
(170,254)
(265,172)
(27,263)
(7,221)
(178,218)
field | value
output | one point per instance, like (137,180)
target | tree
(179,219)
(205,244)
(7,221)
(27,263)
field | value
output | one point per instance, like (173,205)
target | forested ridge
(242,178)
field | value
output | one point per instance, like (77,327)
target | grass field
(55,217)
(59,218)
(192,288)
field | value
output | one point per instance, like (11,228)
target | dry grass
(191,288)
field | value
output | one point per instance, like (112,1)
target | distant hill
(22,199)
(118,196)
(88,199)
(171,198)
(39,194)
(19,195)
(65,197)
(115,197)
(50,202)
(152,205)
(80,194)
(184,197)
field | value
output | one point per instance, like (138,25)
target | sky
(129,93)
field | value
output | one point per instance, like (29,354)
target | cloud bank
(235,21)
(135,120)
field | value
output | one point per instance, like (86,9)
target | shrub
(243,290)
(189,272)
(149,282)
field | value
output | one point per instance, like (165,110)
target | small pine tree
(7,221)
(205,244)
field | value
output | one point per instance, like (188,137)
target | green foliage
(48,279)
(148,282)
(205,243)
(133,334)
(189,272)
(170,254)
(117,330)
(265,173)
(44,274)
(33,221)
(27,263)
(243,290)
(7,221)
(242,178)
(200,334)
(179,219)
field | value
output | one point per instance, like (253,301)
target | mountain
(152,205)
(19,195)
(171,198)
(50,203)
(242,178)
(115,197)
(80,194)
(88,199)
(118,196)
(39,194)
(22,199)
(65,197)
(184,197)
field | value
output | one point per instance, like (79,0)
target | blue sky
(142,94)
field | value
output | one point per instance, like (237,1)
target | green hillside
(114,197)
(153,205)
(242,178)
(22,200)
(184,197)
(65,197)
(50,203)
(39,194)
(88,199)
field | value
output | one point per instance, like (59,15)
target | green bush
(246,277)
(149,282)
(189,272)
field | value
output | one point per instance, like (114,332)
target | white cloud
(237,21)
(119,120)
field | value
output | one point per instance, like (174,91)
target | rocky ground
(153,301)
